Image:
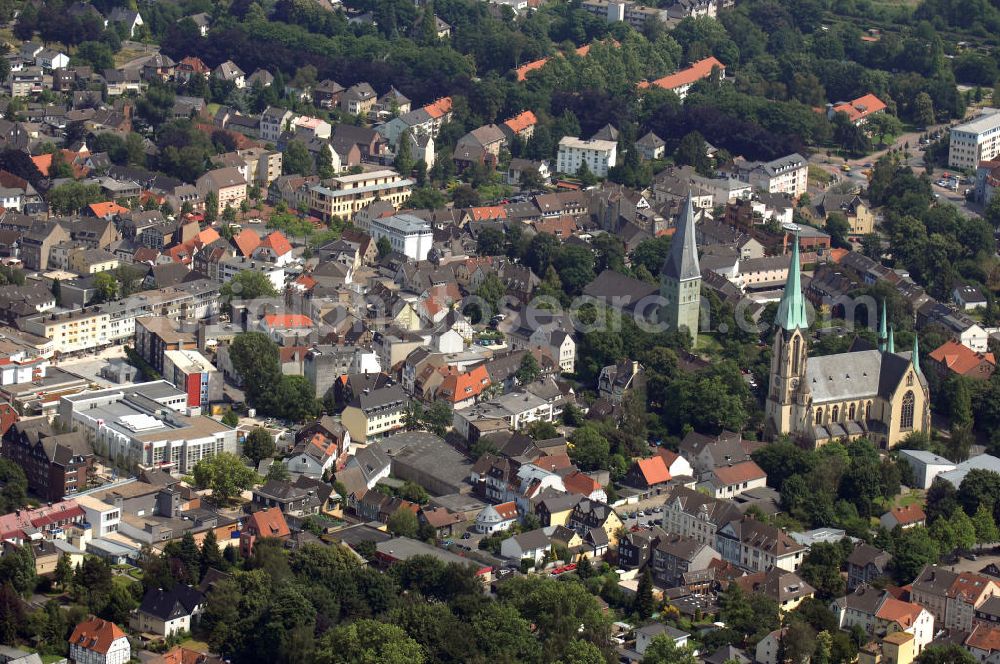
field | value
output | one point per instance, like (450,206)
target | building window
(819,416)
(906,414)
(851,412)
(796,348)
(835,417)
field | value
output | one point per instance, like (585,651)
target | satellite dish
(791,227)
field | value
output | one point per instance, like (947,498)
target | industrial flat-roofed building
(131,425)
(975,141)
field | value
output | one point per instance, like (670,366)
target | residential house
(907,516)
(731,480)
(859,110)
(129,18)
(784,587)
(590,515)
(857,210)
(651,146)
(674,556)
(533,545)
(55,464)
(375,414)
(952,357)
(648,473)
(680,82)
(168,612)
(879,613)
(228,71)
(269,523)
(227,184)
(952,597)
(616,380)
(98,641)
(521,125)
(757,546)
(865,565)
(326,93)
(694,514)
(359,99)
(496,518)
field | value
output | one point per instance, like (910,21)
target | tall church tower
(680,278)
(789,395)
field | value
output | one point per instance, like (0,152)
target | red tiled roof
(306,281)
(861,107)
(521,121)
(553,462)
(246,241)
(580,483)
(268,523)
(908,514)
(459,387)
(145,255)
(96,635)
(654,470)
(738,473)
(278,243)
(287,321)
(696,72)
(507,511)
(523,71)
(984,637)
(562,226)
(960,359)
(438,108)
(903,613)
(488,213)
(193,64)
(107,209)
(43,163)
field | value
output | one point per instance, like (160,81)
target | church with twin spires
(876,393)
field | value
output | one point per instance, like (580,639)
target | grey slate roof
(682,262)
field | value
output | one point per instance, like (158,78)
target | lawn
(818,175)
(192,644)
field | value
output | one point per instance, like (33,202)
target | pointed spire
(792,308)
(881,330)
(915,356)
(891,344)
(682,262)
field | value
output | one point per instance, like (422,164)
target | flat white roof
(990,119)
(591,144)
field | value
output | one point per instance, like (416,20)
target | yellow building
(375,414)
(855,209)
(346,195)
(896,648)
(91,261)
(875,393)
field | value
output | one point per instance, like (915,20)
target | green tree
(225,475)
(13,486)
(368,642)
(63,575)
(210,555)
(437,418)
(12,616)
(502,634)
(231,419)
(964,530)
(585,176)
(278,472)
(693,151)
(923,110)
(529,370)
(255,360)
(248,285)
(581,652)
(663,650)
(839,228)
(324,163)
(259,445)
(492,290)
(949,654)
(985,525)
(71,197)
(912,550)
(295,399)
(491,242)
(403,523)
(644,603)
(590,448)
(404,154)
(296,159)
(211,206)
(384,247)
(106,286)
(17,567)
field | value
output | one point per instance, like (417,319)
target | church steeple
(792,308)
(682,262)
(891,345)
(882,337)
(680,277)
(915,356)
